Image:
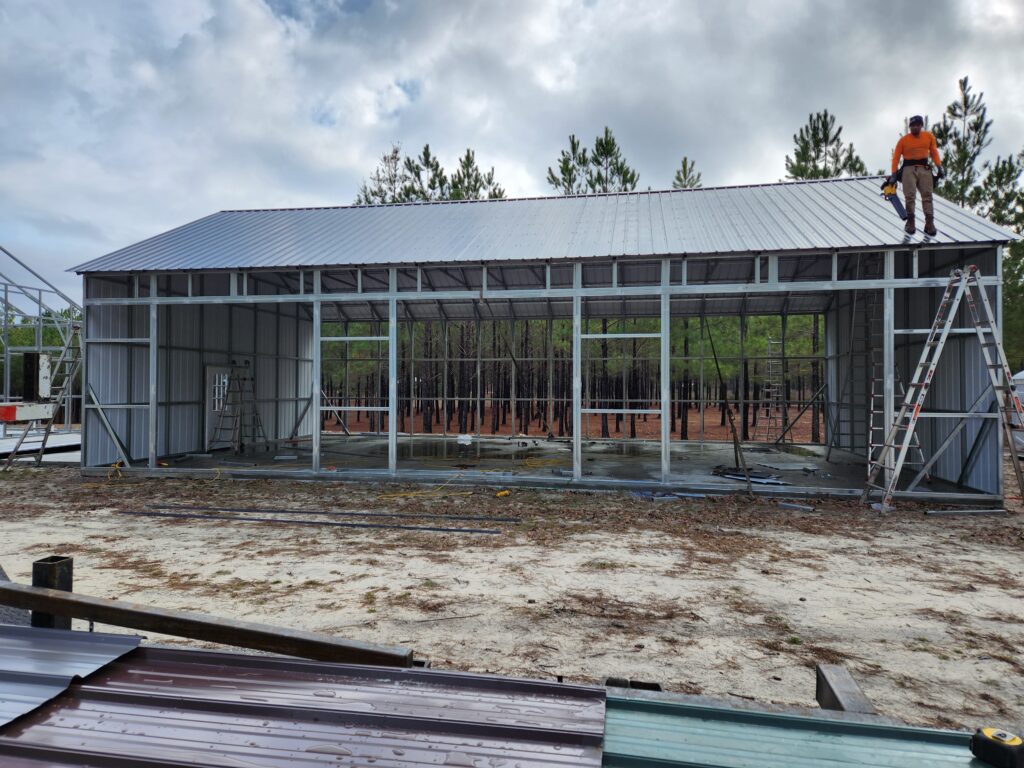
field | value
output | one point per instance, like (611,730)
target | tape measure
(999,748)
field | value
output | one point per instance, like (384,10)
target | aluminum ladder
(770,417)
(962,284)
(239,422)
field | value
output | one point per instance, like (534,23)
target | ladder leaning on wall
(963,284)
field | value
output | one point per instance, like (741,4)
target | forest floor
(727,597)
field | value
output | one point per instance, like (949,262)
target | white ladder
(962,284)
(239,422)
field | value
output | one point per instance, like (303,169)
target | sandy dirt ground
(727,597)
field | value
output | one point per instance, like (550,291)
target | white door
(216,395)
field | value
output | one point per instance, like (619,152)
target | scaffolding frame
(36,307)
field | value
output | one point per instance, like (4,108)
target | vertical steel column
(702,398)
(7,356)
(513,375)
(393,372)
(84,372)
(151,410)
(888,361)
(314,394)
(444,380)
(666,361)
(742,379)
(997,309)
(577,373)
(479,378)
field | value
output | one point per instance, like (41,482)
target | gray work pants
(918,178)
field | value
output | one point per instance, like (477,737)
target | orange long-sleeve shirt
(916,148)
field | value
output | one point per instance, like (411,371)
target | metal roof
(38,664)
(195,708)
(652,729)
(827,215)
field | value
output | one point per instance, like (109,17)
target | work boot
(929,226)
(910,228)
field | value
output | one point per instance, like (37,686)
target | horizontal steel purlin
(652,292)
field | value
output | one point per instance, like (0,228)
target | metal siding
(663,732)
(38,664)
(214,709)
(794,216)
(108,371)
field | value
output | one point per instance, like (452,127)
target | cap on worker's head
(917,120)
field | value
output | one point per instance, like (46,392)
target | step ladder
(62,383)
(963,284)
(770,417)
(238,422)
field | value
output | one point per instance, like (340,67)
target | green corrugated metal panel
(641,732)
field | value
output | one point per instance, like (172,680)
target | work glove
(890,181)
(940,173)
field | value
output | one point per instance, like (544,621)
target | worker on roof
(915,148)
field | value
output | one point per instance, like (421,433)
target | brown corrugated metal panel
(38,664)
(193,708)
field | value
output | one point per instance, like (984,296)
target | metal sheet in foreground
(38,664)
(189,708)
(650,730)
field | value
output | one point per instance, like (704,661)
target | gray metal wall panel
(191,338)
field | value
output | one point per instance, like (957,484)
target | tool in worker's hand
(889,193)
(997,747)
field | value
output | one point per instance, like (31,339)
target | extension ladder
(770,418)
(962,284)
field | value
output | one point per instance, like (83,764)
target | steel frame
(673,283)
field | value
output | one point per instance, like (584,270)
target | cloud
(124,119)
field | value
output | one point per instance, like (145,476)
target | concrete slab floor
(798,469)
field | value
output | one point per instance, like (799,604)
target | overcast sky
(119,120)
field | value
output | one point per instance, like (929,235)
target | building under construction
(661,341)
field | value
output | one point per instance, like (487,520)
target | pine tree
(962,136)
(608,170)
(470,183)
(573,164)
(687,176)
(994,190)
(820,153)
(426,179)
(388,181)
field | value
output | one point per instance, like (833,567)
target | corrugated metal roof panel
(794,216)
(646,730)
(37,664)
(215,709)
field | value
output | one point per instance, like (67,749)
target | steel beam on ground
(197,626)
